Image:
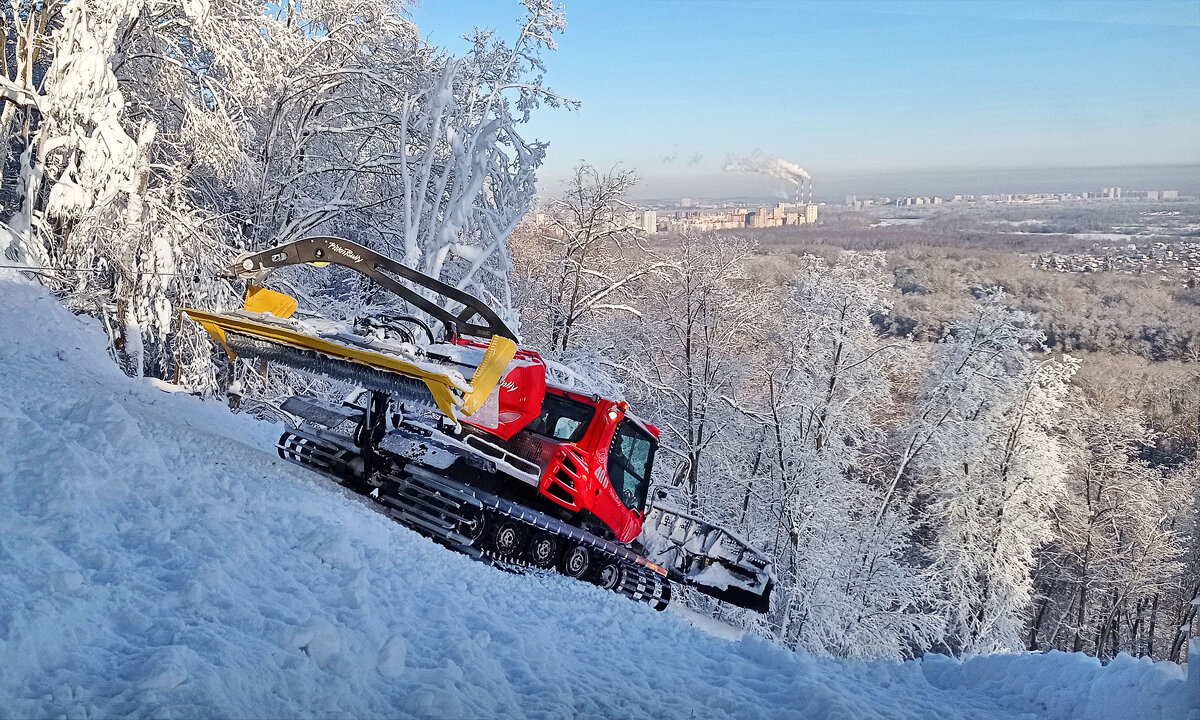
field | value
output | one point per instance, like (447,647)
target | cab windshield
(563,418)
(629,462)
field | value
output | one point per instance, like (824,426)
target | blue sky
(860,91)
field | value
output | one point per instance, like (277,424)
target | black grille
(557,491)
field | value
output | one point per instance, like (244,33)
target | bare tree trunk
(758,453)
(1114,632)
(1062,619)
(1136,626)
(1184,629)
(1107,628)
(1037,623)
(1153,623)
(1081,618)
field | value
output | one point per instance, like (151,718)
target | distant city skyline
(869,97)
(1185,178)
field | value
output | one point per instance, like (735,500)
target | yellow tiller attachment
(262,300)
(451,397)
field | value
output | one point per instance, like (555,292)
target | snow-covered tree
(588,260)
(993,470)
(1112,552)
(1106,580)
(77,206)
(701,328)
(415,152)
(846,585)
(150,140)
(74,152)
(1183,600)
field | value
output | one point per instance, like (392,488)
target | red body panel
(574,474)
(520,392)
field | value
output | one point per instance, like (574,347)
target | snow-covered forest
(964,495)
(961,496)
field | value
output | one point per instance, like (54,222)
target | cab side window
(629,462)
(563,419)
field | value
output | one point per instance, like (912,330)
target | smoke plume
(757,162)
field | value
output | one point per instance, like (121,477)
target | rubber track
(427,501)
(458,501)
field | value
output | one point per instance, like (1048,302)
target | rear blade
(707,557)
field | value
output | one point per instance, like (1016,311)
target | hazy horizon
(869,97)
(834,187)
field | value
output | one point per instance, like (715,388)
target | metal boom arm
(380,269)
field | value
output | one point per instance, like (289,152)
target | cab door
(625,457)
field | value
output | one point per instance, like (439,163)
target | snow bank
(157,560)
(1127,688)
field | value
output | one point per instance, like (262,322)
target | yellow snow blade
(262,300)
(447,393)
(500,353)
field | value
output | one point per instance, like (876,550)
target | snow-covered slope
(157,559)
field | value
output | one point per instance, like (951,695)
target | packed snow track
(157,559)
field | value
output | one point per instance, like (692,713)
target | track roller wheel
(576,562)
(542,551)
(508,538)
(610,576)
(473,526)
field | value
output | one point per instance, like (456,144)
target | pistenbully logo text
(345,251)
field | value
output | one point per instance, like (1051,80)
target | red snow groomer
(503,466)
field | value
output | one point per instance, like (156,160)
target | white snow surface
(158,560)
